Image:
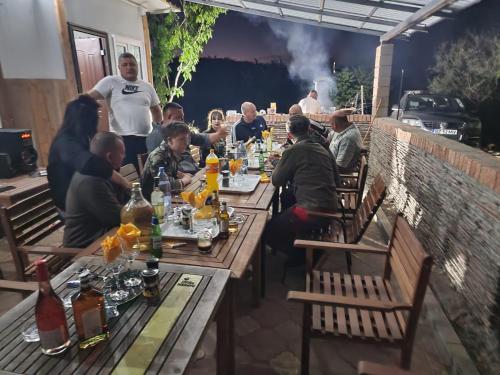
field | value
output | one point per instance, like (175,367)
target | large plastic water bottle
(164,185)
(242,154)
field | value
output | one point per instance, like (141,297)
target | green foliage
(468,67)
(349,81)
(177,41)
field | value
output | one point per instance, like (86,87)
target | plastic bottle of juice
(212,171)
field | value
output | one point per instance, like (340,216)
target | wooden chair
(130,173)
(195,153)
(25,225)
(141,160)
(366,308)
(370,368)
(351,197)
(351,230)
(23,287)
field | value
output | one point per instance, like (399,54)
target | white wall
(29,40)
(115,17)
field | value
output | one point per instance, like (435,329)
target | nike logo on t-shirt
(130,89)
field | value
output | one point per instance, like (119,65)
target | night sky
(246,37)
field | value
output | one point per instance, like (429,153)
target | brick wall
(450,194)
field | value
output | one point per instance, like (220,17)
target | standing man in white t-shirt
(132,104)
(310,103)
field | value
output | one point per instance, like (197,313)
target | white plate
(248,183)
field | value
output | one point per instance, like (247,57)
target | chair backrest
(129,172)
(195,153)
(411,267)
(141,160)
(363,174)
(368,208)
(28,222)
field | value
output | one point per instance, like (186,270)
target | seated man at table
(93,204)
(176,137)
(346,143)
(319,132)
(250,125)
(309,169)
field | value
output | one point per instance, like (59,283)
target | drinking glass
(115,266)
(130,248)
(204,241)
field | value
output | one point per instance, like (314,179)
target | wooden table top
(194,291)
(24,186)
(259,199)
(234,254)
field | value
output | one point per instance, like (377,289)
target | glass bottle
(224,222)
(212,171)
(242,154)
(262,164)
(216,205)
(156,249)
(50,315)
(139,212)
(157,200)
(164,186)
(89,313)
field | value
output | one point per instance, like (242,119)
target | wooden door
(90,53)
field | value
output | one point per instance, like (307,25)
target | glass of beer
(204,241)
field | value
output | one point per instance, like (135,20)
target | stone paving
(268,338)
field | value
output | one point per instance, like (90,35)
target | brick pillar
(382,80)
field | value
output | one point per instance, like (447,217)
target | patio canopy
(388,19)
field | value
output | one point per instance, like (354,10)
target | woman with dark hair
(69,151)
(215,120)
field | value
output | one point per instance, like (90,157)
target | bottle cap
(211,150)
(154,220)
(136,185)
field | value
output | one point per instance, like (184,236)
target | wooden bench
(370,309)
(25,225)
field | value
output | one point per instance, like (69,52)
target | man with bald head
(346,143)
(250,125)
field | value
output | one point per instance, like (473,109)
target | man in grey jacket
(346,143)
(93,204)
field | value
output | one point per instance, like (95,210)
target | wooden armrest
(331,215)
(18,286)
(357,248)
(50,250)
(358,303)
(370,368)
(346,190)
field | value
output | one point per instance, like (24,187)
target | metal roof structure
(385,18)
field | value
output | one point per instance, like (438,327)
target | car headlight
(413,122)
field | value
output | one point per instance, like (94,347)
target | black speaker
(17,144)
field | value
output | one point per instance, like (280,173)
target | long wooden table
(234,254)
(189,298)
(23,187)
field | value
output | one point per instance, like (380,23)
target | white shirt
(129,104)
(310,105)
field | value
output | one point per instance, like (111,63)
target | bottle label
(224,226)
(212,168)
(91,323)
(53,338)
(156,242)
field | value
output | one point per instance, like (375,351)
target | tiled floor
(268,338)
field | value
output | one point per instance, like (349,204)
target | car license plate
(445,131)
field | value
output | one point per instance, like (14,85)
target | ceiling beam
(420,15)
(408,7)
(317,11)
(289,18)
